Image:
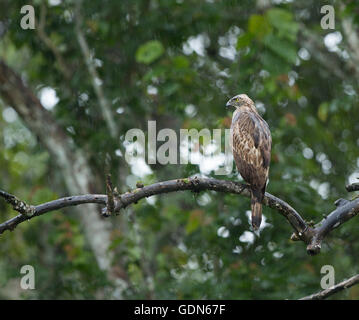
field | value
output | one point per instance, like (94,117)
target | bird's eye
(237,99)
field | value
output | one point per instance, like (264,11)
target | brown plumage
(251,145)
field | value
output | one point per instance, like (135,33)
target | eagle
(251,146)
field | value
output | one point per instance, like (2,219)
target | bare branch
(352,187)
(95,78)
(110,197)
(51,206)
(315,46)
(113,203)
(344,212)
(334,289)
(352,40)
(17,204)
(194,184)
(47,41)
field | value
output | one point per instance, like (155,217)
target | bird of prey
(251,145)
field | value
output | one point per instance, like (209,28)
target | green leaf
(283,48)
(194,221)
(258,26)
(244,41)
(323,111)
(282,20)
(170,88)
(275,65)
(180,62)
(149,52)
(157,71)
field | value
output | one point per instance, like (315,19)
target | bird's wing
(251,145)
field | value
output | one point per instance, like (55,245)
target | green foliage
(149,52)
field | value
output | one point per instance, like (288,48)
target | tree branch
(312,236)
(315,46)
(345,211)
(95,78)
(352,187)
(334,289)
(194,184)
(352,40)
(47,41)
(17,204)
(110,195)
(46,207)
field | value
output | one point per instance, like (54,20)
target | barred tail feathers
(256,207)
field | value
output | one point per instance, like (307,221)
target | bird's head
(239,101)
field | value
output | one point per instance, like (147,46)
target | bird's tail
(256,207)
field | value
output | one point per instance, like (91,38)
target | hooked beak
(229,103)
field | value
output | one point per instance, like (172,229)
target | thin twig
(95,78)
(110,197)
(17,204)
(49,43)
(334,289)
